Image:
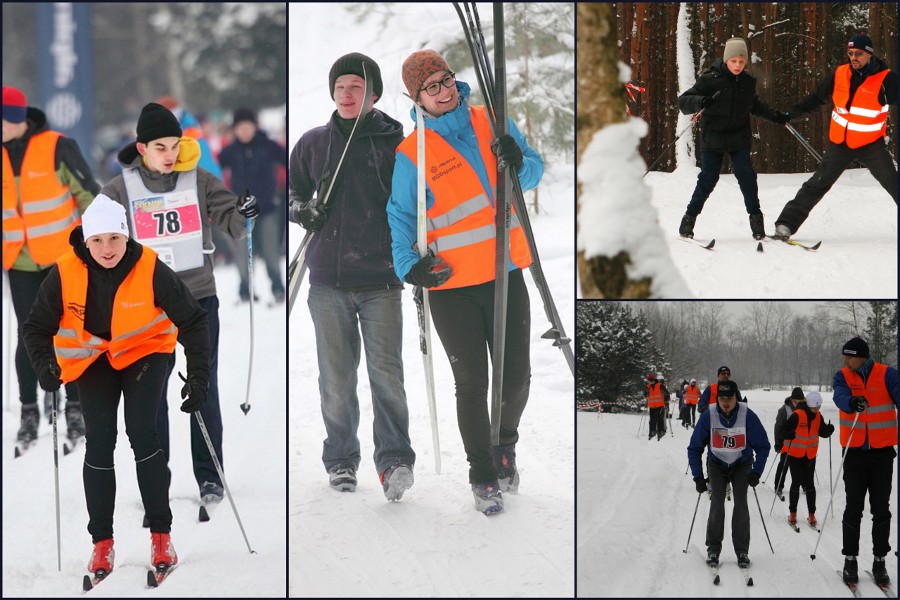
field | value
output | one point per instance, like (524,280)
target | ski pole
(246,405)
(803,142)
(761,518)
(831,500)
(640,426)
(783,477)
(696,506)
(678,137)
(687,467)
(777,455)
(54,401)
(830,480)
(212,452)
(7,340)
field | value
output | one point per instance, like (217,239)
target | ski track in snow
(634,519)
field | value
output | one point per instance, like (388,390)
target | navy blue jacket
(253,167)
(353,249)
(757,441)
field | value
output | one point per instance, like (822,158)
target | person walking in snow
(251,162)
(47,185)
(802,431)
(860,92)
(171,205)
(353,289)
(656,395)
(105,319)
(726,93)
(784,413)
(691,398)
(683,411)
(459,267)
(867,391)
(711,391)
(738,450)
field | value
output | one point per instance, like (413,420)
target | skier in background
(784,412)
(691,398)
(353,289)
(656,395)
(710,393)
(459,268)
(726,93)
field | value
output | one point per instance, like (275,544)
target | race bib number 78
(156,219)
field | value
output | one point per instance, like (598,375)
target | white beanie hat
(813,399)
(104,215)
(734,47)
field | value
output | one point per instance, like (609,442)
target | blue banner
(65,70)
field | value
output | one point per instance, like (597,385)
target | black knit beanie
(797,394)
(351,64)
(243,114)
(156,121)
(861,41)
(856,347)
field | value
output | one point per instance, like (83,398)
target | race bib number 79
(728,440)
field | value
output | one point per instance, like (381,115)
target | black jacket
(253,166)
(823,92)
(169,293)
(780,419)
(725,124)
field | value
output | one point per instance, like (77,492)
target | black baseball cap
(726,388)
(724,370)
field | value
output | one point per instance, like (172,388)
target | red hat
(651,376)
(14,105)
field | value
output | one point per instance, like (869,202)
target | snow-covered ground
(635,505)
(213,557)
(433,542)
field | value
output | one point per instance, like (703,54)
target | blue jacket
(757,441)
(253,167)
(842,393)
(456,129)
(703,402)
(207,160)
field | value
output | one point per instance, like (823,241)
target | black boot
(757,226)
(28,429)
(879,572)
(851,575)
(686,229)
(74,420)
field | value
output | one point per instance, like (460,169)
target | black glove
(789,435)
(753,479)
(248,206)
(309,215)
(423,273)
(778,448)
(508,152)
(826,430)
(49,376)
(195,390)
(781,117)
(701,484)
(710,100)
(859,403)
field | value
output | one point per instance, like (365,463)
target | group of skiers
(860,92)
(365,249)
(866,393)
(104,282)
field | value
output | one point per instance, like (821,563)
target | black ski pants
(719,476)
(837,157)
(657,421)
(101,386)
(23,287)
(464,320)
(872,472)
(803,473)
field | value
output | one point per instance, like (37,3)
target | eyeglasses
(434,88)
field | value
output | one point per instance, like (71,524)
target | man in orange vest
(867,391)
(860,93)
(657,396)
(691,398)
(711,392)
(47,185)
(458,269)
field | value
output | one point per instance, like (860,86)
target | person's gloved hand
(859,403)
(826,430)
(700,483)
(508,152)
(195,390)
(423,273)
(48,376)
(778,448)
(248,206)
(753,479)
(710,100)
(781,117)
(309,215)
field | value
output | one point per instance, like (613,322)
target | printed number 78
(167,222)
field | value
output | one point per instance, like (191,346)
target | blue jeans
(339,316)
(710,165)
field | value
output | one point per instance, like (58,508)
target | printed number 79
(167,222)
(728,442)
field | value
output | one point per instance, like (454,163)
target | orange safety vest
(48,211)
(866,119)
(461,220)
(138,327)
(655,397)
(806,440)
(692,394)
(879,420)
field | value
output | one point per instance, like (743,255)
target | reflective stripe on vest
(460,222)
(655,396)
(727,443)
(806,439)
(692,394)
(48,211)
(138,327)
(866,119)
(879,420)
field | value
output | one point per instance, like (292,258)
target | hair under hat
(856,347)
(104,215)
(735,47)
(797,394)
(14,105)
(814,399)
(156,121)
(861,41)
(352,64)
(418,67)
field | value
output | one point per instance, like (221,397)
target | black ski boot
(28,429)
(712,558)
(757,226)
(74,420)
(743,560)
(686,229)
(879,572)
(851,574)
